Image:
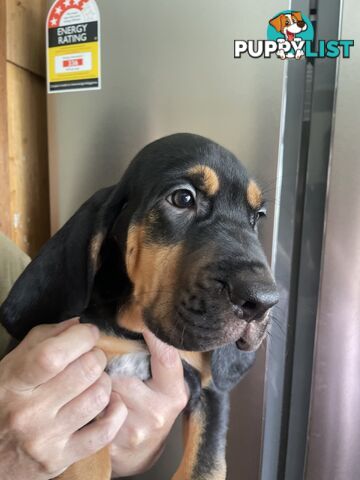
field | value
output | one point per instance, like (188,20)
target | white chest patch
(130,365)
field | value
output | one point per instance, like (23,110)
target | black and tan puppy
(174,246)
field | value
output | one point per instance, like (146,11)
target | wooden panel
(4,172)
(26,33)
(28,159)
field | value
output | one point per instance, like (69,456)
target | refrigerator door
(169,67)
(334,434)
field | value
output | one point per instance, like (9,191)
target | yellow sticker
(73,46)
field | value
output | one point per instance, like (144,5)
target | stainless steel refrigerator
(168,66)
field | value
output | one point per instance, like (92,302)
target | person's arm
(152,407)
(51,386)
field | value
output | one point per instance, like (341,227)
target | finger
(148,410)
(42,332)
(74,379)
(86,406)
(51,356)
(135,393)
(166,366)
(100,433)
(134,433)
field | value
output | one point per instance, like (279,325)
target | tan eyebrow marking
(254,195)
(210,179)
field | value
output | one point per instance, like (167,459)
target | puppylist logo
(290,34)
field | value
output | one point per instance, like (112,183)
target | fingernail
(95,330)
(99,354)
(115,398)
(123,409)
(71,321)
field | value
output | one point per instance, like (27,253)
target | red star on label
(60,7)
(82,4)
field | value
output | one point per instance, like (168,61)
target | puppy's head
(289,24)
(192,253)
(175,242)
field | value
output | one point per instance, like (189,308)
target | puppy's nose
(251,302)
(301,24)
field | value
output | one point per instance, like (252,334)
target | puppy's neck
(130,317)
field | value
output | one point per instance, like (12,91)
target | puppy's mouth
(207,333)
(290,36)
(252,336)
(292,31)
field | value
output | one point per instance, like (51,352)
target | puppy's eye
(182,198)
(287,22)
(261,213)
(257,215)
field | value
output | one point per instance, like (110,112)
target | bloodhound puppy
(173,246)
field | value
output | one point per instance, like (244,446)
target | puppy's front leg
(95,467)
(205,430)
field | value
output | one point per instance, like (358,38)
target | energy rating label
(73,46)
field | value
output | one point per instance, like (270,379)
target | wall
(24,199)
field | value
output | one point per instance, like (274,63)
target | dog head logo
(292,27)
(290,35)
(289,24)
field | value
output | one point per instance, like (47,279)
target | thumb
(166,366)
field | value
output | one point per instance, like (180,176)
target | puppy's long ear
(276,23)
(229,365)
(297,15)
(57,283)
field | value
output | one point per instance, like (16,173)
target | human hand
(152,407)
(51,386)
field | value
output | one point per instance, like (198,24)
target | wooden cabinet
(24,190)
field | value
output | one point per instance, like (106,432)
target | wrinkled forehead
(220,176)
(210,168)
(226,181)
